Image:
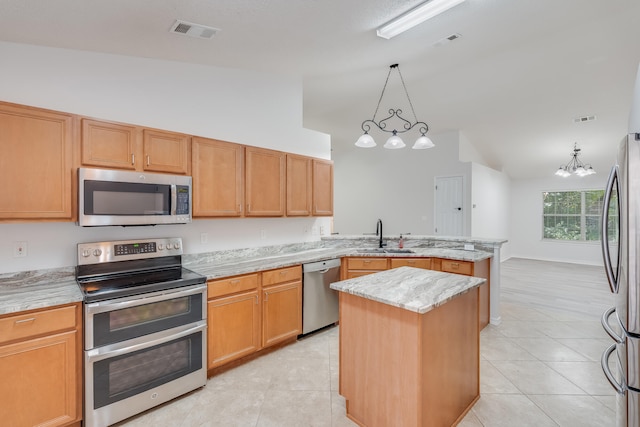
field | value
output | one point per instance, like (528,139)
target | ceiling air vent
(193,30)
(448,39)
(584,119)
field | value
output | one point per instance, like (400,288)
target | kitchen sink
(384,251)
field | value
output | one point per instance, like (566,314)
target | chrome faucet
(379,233)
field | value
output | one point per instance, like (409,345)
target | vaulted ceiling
(513,83)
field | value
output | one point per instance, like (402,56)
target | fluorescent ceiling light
(415,16)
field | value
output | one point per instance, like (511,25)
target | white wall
(235,105)
(396,186)
(491,205)
(526,220)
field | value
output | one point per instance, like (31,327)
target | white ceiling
(513,83)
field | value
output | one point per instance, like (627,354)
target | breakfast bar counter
(409,347)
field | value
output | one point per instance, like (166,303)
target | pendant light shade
(365,141)
(423,143)
(575,166)
(394,142)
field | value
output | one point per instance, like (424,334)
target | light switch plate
(468,247)
(19,249)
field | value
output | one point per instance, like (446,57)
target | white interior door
(449,214)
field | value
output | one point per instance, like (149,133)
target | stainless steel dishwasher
(319,302)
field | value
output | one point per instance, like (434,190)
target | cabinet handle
(248,207)
(282,273)
(455,265)
(31,319)
(256,299)
(266,296)
(133,159)
(411,261)
(148,160)
(367,261)
(234,282)
(239,207)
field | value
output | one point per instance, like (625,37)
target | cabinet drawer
(231,285)
(367,264)
(281,275)
(458,267)
(411,262)
(37,323)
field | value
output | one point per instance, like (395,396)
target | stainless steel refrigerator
(621,251)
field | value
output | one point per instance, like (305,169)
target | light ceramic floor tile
(296,409)
(534,377)
(492,380)
(226,408)
(509,410)
(548,349)
(503,349)
(591,348)
(520,329)
(470,420)
(302,374)
(586,375)
(575,411)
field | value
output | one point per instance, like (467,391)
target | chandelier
(394,141)
(575,166)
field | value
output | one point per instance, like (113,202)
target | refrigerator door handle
(604,361)
(604,241)
(607,326)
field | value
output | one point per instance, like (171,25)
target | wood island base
(404,369)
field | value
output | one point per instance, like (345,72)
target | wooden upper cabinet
(298,185)
(322,187)
(217,169)
(165,151)
(110,145)
(264,182)
(36,164)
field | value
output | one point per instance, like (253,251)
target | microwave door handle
(604,241)
(174,199)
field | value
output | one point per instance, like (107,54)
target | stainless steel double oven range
(144,327)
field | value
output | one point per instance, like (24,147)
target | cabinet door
(298,185)
(322,187)
(36,163)
(233,325)
(39,381)
(109,145)
(165,152)
(265,182)
(281,312)
(217,178)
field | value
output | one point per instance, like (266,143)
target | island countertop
(410,288)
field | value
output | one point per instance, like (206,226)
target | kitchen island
(409,347)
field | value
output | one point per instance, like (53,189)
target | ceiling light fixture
(395,142)
(415,17)
(575,166)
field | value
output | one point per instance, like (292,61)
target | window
(573,215)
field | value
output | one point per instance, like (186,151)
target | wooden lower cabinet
(353,267)
(281,313)
(250,312)
(41,368)
(233,328)
(411,262)
(476,269)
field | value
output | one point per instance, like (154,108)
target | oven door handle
(103,306)
(107,352)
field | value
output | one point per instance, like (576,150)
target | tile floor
(539,367)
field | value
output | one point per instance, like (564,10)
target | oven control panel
(122,250)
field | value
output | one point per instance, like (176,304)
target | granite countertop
(412,289)
(30,290)
(232,267)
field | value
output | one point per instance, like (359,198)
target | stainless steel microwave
(112,197)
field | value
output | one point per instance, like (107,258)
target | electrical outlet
(322,230)
(204,238)
(468,247)
(19,249)
(263,234)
